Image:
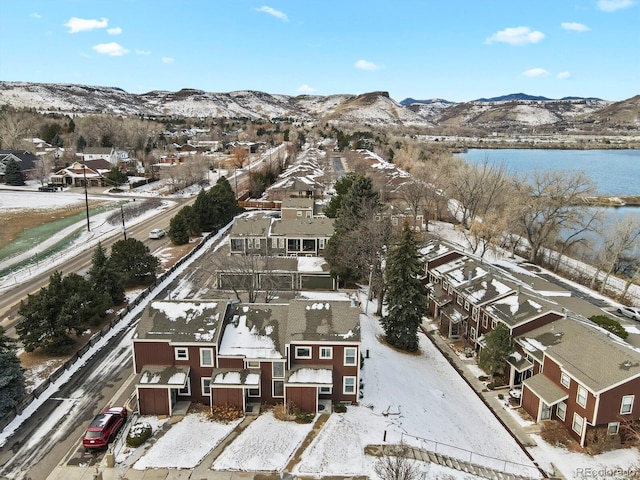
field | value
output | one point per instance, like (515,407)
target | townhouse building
(217,352)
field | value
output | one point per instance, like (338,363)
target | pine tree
(12,173)
(179,228)
(224,203)
(132,260)
(11,376)
(103,278)
(406,297)
(499,345)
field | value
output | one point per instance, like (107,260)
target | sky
(459,50)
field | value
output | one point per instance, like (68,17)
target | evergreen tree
(11,375)
(12,173)
(361,197)
(133,262)
(224,202)
(81,144)
(179,228)
(499,345)
(204,211)
(103,278)
(82,305)
(115,176)
(406,297)
(341,187)
(41,327)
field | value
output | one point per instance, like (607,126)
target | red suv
(104,427)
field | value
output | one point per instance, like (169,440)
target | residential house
(280,237)
(27,161)
(77,174)
(399,216)
(586,378)
(295,186)
(222,353)
(111,154)
(297,207)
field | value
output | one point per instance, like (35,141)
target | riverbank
(612,201)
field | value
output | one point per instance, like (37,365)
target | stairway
(429,456)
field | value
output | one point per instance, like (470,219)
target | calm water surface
(615,172)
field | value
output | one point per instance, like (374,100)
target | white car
(631,312)
(157,233)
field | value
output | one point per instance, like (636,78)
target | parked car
(104,427)
(631,312)
(157,233)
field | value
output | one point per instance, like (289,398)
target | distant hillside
(514,112)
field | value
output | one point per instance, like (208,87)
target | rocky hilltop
(510,113)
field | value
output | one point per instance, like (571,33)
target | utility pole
(124,230)
(86,197)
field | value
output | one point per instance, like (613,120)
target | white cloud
(366,65)
(613,5)
(112,49)
(167,60)
(563,75)
(75,24)
(516,36)
(576,27)
(35,15)
(143,52)
(535,72)
(114,31)
(276,13)
(306,89)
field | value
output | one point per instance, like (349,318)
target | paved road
(56,427)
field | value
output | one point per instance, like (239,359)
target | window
(281,243)
(350,356)
(444,285)
(256,243)
(561,410)
(474,313)
(576,426)
(308,215)
(581,396)
(494,323)
(253,364)
(473,333)
(565,380)
(237,244)
(249,242)
(459,300)
(326,352)
(627,404)
(206,386)
(466,305)
(299,214)
(182,353)
(325,389)
(485,321)
(612,428)
(321,243)
(206,357)
(394,221)
(303,352)
(274,243)
(278,388)
(186,391)
(278,369)
(254,392)
(349,385)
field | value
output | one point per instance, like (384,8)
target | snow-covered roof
(247,377)
(181,321)
(317,320)
(309,375)
(163,376)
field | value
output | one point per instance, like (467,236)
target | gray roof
(250,227)
(182,321)
(463,269)
(437,248)
(297,202)
(305,227)
(521,306)
(595,358)
(486,288)
(316,320)
(543,387)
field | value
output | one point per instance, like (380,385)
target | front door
(546,412)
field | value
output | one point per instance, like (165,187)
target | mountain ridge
(514,111)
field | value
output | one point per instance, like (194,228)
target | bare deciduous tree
(546,203)
(397,464)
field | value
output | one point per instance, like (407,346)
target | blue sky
(459,50)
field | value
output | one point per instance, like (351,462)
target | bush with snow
(138,434)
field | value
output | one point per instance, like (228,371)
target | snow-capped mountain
(375,108)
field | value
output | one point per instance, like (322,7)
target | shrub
(495,384)
(610,325)
(284,412)
(138,434)
(500,396)
(225,413)
(303,417)
(339,407)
